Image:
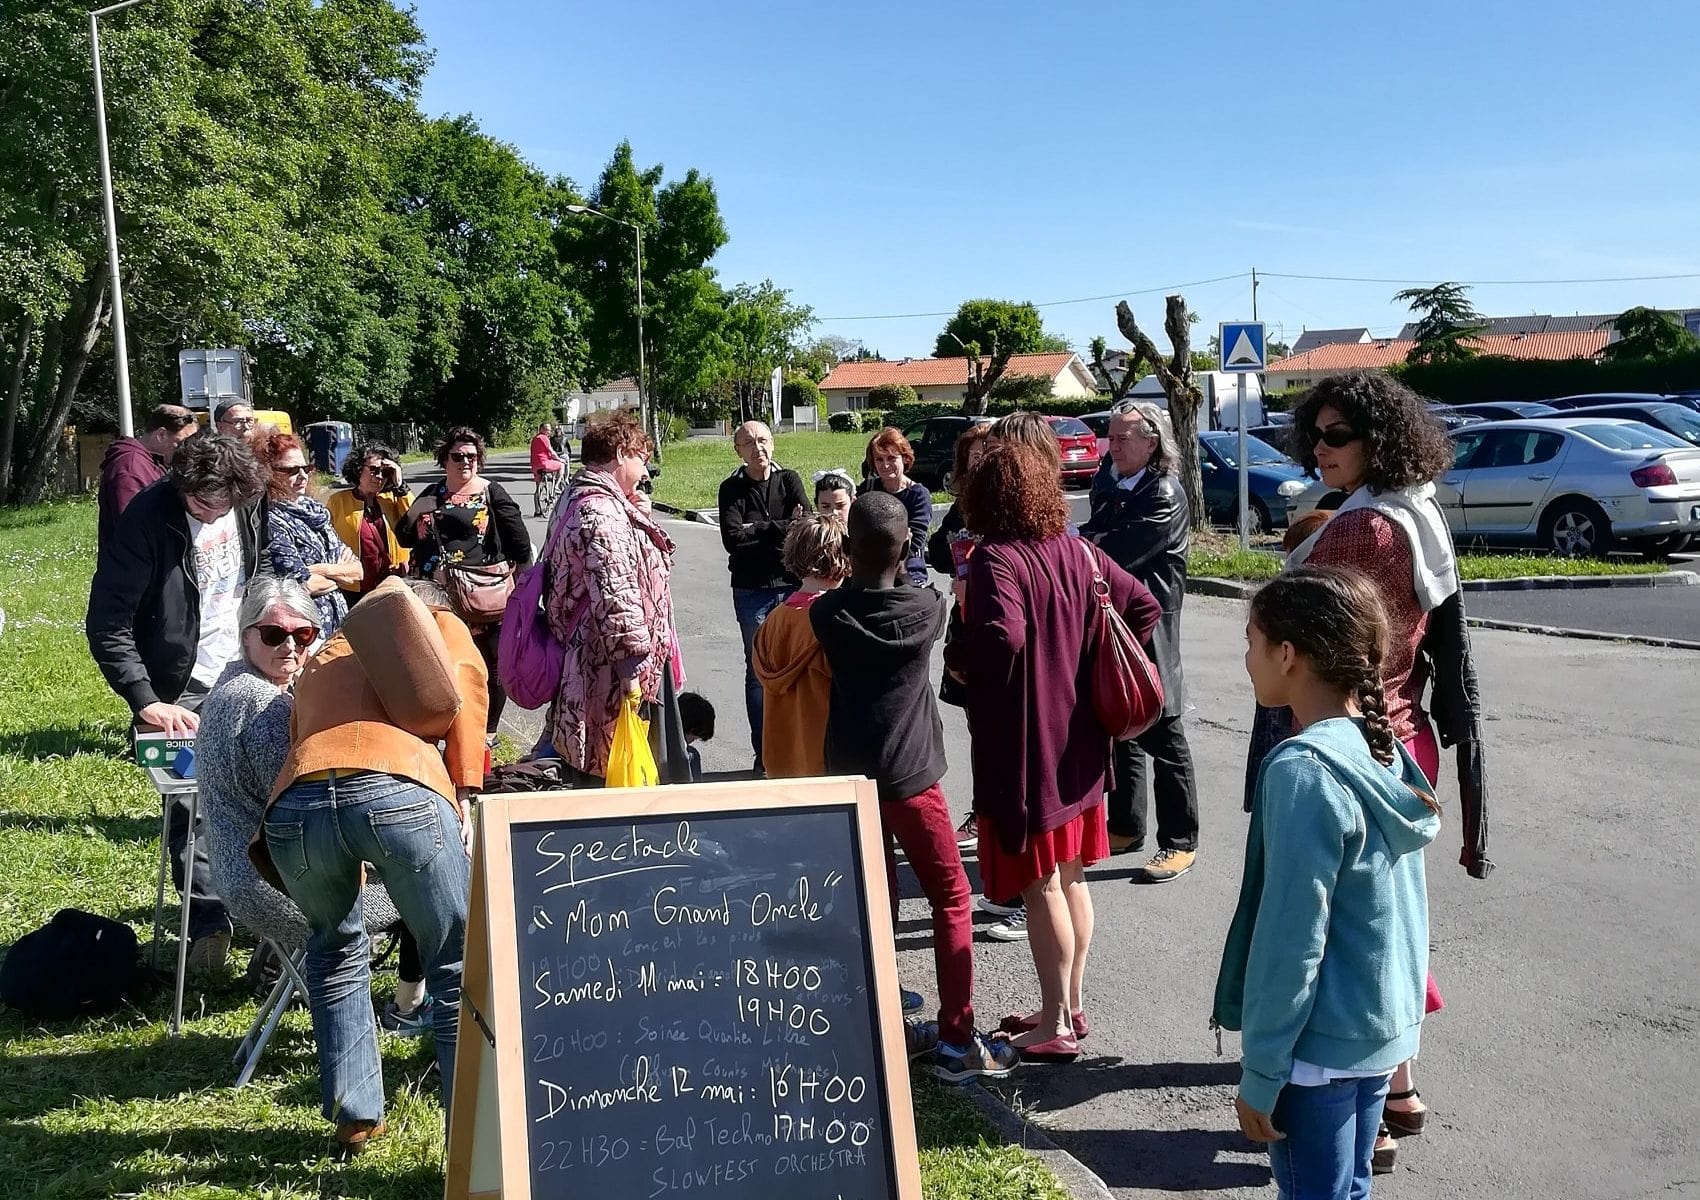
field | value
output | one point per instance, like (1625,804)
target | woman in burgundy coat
(1040,756)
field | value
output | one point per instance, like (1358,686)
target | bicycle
(548,491)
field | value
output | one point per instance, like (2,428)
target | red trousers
(923,826)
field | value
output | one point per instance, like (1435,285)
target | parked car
(934,443)
(1673,418)
(1572,484)
(1272,480)
(1595,399)
(1079,446)
(1506,410)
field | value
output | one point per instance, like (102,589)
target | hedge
(1491,378)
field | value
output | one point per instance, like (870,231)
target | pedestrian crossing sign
(1242,345)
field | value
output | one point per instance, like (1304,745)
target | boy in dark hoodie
(883,722)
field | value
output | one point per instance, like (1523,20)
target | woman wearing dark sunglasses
(466,520)
(365,515)
(304,546)
(1373,440)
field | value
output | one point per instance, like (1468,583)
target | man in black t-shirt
(758,502)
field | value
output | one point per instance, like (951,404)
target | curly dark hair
(1013,494)
(1404,444)
(459,435)
(355,463)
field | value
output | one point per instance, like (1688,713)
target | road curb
(1075,1177)
(1589,635)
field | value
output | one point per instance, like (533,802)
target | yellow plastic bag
(630,761)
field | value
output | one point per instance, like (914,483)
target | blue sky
(891,158)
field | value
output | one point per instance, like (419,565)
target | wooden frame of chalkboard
(841,1122)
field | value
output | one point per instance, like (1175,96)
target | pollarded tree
(1174,372)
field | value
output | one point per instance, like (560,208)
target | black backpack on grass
(76,965)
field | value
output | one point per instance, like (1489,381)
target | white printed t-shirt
(218,576)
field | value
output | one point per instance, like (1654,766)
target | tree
(1021,391)
(887,396)
(1118,387)
(987,333)
(1445,321)
(761,331)
(1179,388)
(1649,333)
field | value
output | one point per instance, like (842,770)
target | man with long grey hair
(1140,518)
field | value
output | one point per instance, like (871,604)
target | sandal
(1385,1157)
(1404,1124)
(1015,1023)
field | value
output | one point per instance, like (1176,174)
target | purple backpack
(529,657)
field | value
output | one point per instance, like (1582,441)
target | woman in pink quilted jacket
(608,601)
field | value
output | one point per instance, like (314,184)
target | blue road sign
(1242,345)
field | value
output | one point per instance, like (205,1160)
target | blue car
(1272,480)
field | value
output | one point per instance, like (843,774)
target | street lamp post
(637,233)
(120,348)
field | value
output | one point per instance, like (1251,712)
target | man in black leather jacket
(1141,520)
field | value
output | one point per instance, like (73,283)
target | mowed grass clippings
(110,1106)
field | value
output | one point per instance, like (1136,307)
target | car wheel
(1576,529)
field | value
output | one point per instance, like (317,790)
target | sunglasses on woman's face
(1336,436)
(275,635)
(464,456)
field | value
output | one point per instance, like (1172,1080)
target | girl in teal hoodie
(1324,964)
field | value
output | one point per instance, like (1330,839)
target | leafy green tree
(987,333)
(1445,321)
(1020,391)
(1650,333)
(887,396)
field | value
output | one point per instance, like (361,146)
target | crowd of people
(228,598)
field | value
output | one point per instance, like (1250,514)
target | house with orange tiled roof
(1311,367)
(946,379)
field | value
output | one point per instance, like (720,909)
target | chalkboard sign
(683,990)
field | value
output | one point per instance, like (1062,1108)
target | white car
(1568,485)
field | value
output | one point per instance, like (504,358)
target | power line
(1052,303)
(1482,282)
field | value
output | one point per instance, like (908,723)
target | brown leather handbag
(1127,695)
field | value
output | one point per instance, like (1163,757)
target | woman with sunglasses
(365,515)
(304,546)
(243,740)
(465,519)
(1373,440)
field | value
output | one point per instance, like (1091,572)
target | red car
(1079,450)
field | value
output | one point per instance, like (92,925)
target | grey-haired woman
(243,739)
(1140,518)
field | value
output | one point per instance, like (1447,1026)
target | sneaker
(418,1023)
(209,952)
(968,833)
(921,1038)
(1012,928)
(1122,844)
(981,1059)
(1164,866)
(913,1001)
(987,905)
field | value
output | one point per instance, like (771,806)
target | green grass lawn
(111,1107)
(691,470)
(1221,558)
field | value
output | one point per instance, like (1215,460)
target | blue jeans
(1330,1136)
(319,833)
(752,606)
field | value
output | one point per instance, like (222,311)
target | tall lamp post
(120,348)
(637,233)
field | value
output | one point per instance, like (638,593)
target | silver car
(1572,485)
(1569,485)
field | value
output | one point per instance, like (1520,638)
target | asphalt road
(1567,1059)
